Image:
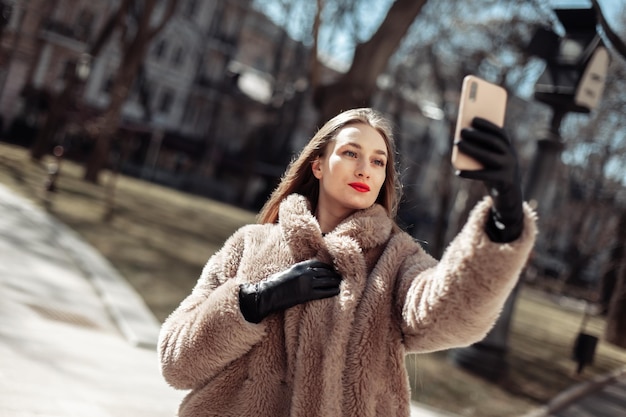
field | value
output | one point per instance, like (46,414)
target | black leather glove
(304,281)
(489,145)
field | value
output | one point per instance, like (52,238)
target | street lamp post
(573,81)
(80,73)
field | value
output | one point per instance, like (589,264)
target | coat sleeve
(207,331)
(456,301)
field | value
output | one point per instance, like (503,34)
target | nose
(362,170)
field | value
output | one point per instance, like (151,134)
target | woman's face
(352,170)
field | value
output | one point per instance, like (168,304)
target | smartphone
(479,98)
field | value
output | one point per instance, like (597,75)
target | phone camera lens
(473,88)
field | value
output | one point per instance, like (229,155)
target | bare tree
(56,117)
(356,87)
(136,34)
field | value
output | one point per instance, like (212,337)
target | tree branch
(114,21)
(375,53)
(315,65)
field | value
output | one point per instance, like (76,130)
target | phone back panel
(479,98)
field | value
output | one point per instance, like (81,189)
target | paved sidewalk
(67,348)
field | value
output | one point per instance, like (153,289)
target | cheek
(381,178)
(335,164)
(381,184)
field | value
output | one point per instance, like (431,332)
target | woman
(311,312)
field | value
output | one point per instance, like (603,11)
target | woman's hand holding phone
(489,145)
(482,151)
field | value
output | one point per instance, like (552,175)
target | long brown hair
(299,177)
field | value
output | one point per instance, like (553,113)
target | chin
(360,205)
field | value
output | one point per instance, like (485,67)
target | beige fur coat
(342,356)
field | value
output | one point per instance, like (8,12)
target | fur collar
(367,228)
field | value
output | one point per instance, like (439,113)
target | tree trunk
(55,118)
(356,87)
(104,127)
(578,259)
(615,331)
(134,51)
(609,280)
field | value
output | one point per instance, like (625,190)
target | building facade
(213,78)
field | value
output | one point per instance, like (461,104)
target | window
(189,116)
(106,85)
(178,57)
(135,93)
(160,48)
(167,99)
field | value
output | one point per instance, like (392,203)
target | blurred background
(173,120)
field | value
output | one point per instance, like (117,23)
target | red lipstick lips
(360,187)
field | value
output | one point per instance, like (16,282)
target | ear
(316,167)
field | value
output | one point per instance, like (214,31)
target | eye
(379,162)
(350,153)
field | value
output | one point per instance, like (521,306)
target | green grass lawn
(159,239)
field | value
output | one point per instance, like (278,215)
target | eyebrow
(377,151)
